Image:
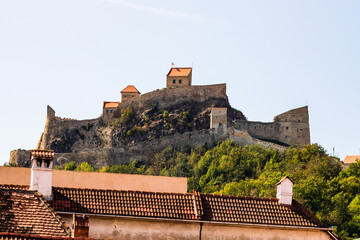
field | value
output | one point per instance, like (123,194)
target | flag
(172,64)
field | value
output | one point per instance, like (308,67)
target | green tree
(70,166)
(84,167)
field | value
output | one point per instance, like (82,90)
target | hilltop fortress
(180,115)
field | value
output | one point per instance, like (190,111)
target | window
(179,81)
(174,81)
(107,111)
(133,96)
(124,96)
(111,111)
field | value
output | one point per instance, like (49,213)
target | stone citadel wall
(289,128)
(56,126)
(172,96)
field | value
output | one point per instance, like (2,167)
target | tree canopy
(331,193)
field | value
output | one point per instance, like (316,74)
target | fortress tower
(129,93)
(179,77)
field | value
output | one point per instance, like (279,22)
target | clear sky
(273,56)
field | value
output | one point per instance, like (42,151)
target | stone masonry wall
(291,128)
(56,126)
(85,141)
(167,97)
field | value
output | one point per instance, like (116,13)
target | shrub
(71,166)
(84,167)
(165,114)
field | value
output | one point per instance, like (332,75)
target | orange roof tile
(28,212)
(130,89)
(21,236)
(351,159)
(110,104)
(189,206)
(179,72)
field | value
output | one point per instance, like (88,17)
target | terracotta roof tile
(10,186)
(179,72)
(130,89)
(110,104)
(255,210)
(190,206)
(18,236)
(351,159)
(24,211)
(130,203)
(42,153)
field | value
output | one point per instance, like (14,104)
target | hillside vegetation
(331,193)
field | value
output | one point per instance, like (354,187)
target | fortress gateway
(179,115)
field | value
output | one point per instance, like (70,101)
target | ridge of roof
(299,207)
(52,212)
(240,197)
(126,191)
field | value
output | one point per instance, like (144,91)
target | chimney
(80,226)
(42,162)
(285,190)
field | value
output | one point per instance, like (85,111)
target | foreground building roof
(187,206)
(27,212)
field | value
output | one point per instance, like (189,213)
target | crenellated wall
(56,127)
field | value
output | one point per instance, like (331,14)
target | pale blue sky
(273,56)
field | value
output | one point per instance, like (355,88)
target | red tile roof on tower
(179,72)
(130,89)
(27,212)
(186,206)
(351,159)
(110,104)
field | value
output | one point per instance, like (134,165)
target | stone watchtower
(42,163)
(179,77)
(129,93)
(218,117)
